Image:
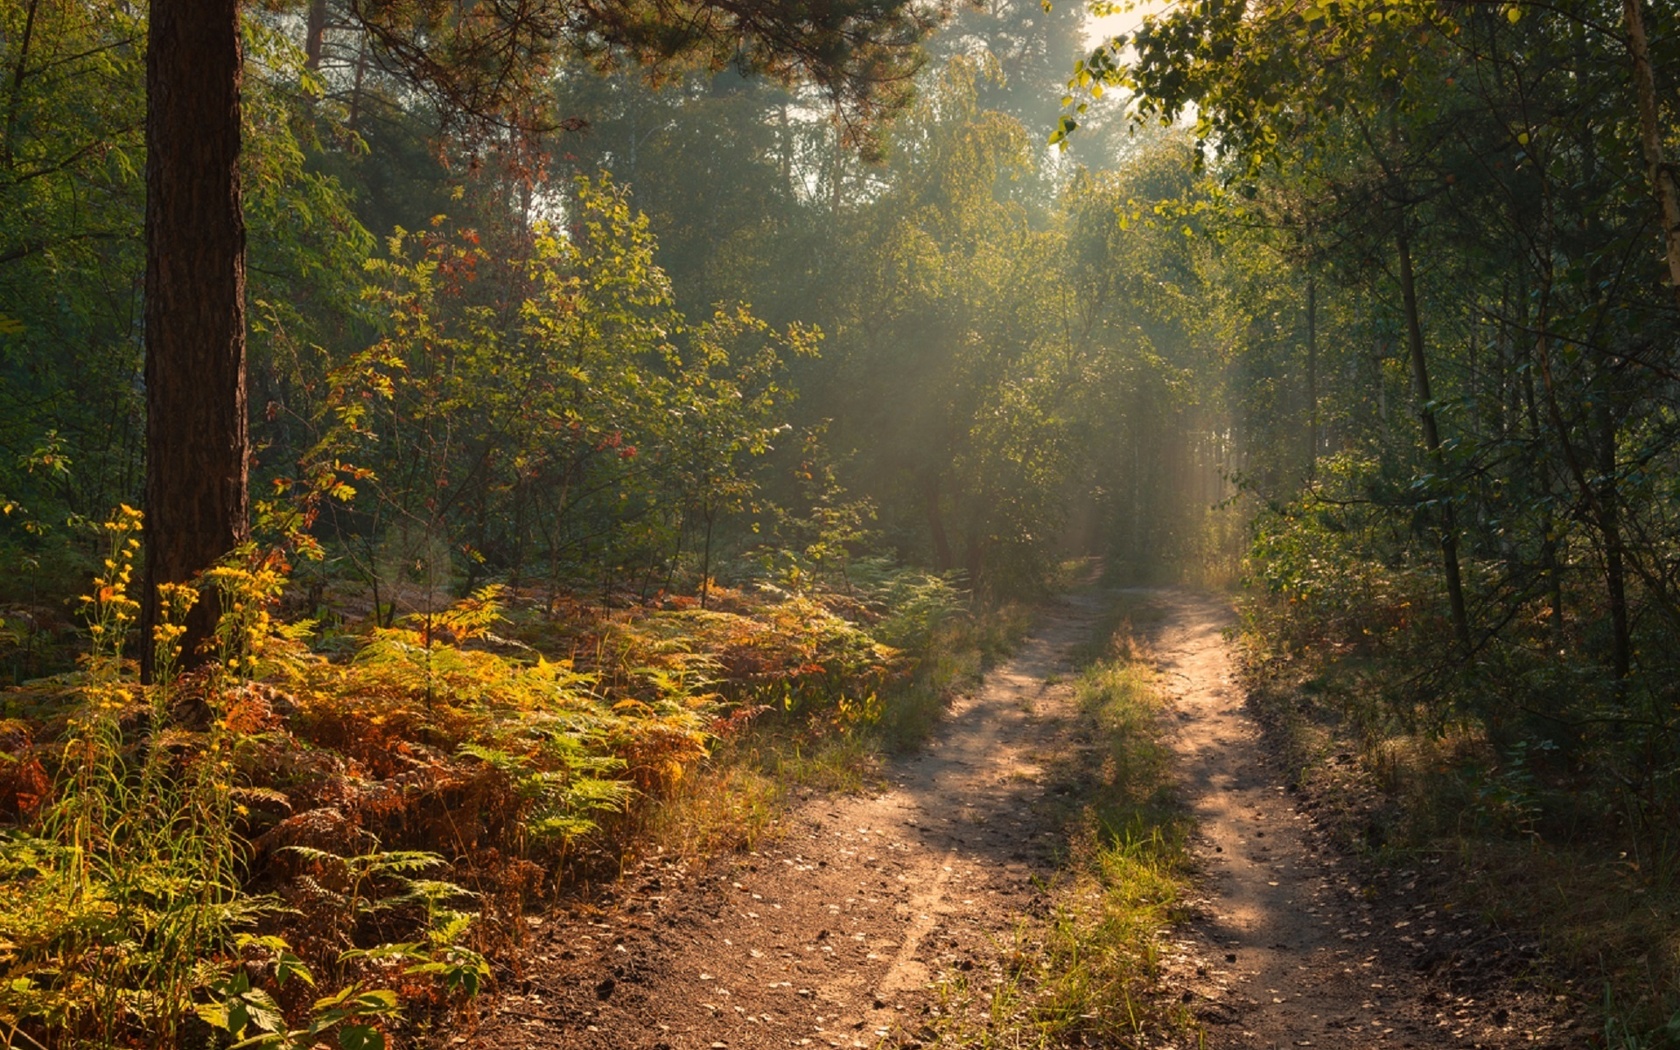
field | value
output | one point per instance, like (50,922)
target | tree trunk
(785,140)
(353,119)
(1650,138)
(839,160)
(196,429)
(1432,440)
(1312,380)
(314,35)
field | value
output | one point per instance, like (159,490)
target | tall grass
(127,882)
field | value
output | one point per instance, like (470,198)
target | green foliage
(71,188)
(1447,371)
(816,546)
(567,418)
(916,605)
(523,394)
(1013,368)
(988,392)
(72,167)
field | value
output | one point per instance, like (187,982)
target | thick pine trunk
(196,430)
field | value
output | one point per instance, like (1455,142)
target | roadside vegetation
(1453,298)
(1533,818)
(294,845)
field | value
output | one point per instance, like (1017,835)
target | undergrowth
(295,843)
(1086,976)
(1522,780)
(750,776)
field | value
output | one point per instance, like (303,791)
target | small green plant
(251,1016)
(1505,799)
(440,955)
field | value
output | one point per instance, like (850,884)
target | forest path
(831,932)
(840,929)
(1292,944)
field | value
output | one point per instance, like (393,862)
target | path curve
(1294,944)
(834,933)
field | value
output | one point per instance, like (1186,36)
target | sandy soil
(1293,944)
(838,931)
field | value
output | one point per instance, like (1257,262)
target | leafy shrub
(202,851)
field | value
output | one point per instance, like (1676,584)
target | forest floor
(1294,943)
(850,924)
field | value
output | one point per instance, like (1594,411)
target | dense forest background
(686,327)
(1361,304)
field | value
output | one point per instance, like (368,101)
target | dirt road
(841,931)
(1294,944)
(831,934)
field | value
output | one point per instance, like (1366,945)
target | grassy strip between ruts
(1085,975)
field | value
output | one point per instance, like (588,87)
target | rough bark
(196,429)
(314,34)
(1661,174)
